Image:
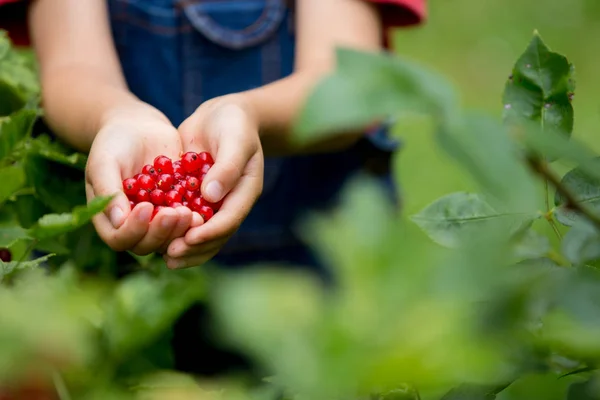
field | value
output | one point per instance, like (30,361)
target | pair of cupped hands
(131,138)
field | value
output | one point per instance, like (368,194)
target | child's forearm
(276,107)
(78,102)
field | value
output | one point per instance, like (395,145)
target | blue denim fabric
(176,54)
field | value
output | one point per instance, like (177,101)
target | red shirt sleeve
(398,13)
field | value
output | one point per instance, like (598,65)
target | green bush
(466,300)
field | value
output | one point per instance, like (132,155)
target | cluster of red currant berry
(168,183)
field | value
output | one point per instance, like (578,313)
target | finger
(235,208)
(184,221)
(105,179)
(235,148)
(159,232)
(179,248)
(130,232)
(188,262)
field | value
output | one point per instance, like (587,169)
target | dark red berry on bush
(5,254)
(206,212)
(192,183)
(157,197)
(190,162)
(130,186)
(163,165)
(143,195)
(146,182)
(165,182)
(173,197)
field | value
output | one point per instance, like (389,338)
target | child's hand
(120,149)
(226,129)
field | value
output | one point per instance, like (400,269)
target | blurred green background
(475,43)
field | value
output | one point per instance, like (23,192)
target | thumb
(105,180)
(230,163)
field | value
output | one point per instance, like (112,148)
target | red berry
(142,196)
(206,158)
(196,204)
(146,182)
(136,176)
(157,197)
(130,186)
(205,168)
(179,189)
(178,176)
(189,195)
(215,206)
(206,212)
(192,183)
(173,197)
(5,254)
(165,182)
(185,203)
(131,204)
(163,165)
(176,204)
(190,162)
(149,170)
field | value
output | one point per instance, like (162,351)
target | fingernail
(145,214)
(116,216)
(214,190)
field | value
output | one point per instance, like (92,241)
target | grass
(475,44)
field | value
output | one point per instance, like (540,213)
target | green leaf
(56,224)
(484,148)
(11,234)
(148,304)
(13,179)
(54,150)
(371,87)
(14,129)
(581,243)
(586,190)
(540,89)
(18,79)
(10,267)
(532,245)
(454,218)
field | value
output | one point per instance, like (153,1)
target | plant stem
(540,167)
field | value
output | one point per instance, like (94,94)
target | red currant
(206,212)
(142,196)
(165,182)
(179,189)
(173,197)
(175,205)
(178,176)
(215,206)
(163,165)
(196,204)
(131,204)
(149,170)
(205,168)
(130,186)
(157,197)
(190,162)
(5,254)
(189,195)
(192,183)
(206,158)
(146,182)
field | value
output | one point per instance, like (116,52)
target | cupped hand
(121,148)
(226,128)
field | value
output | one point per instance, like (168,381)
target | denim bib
(176,54)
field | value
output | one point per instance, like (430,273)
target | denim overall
(175,55)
